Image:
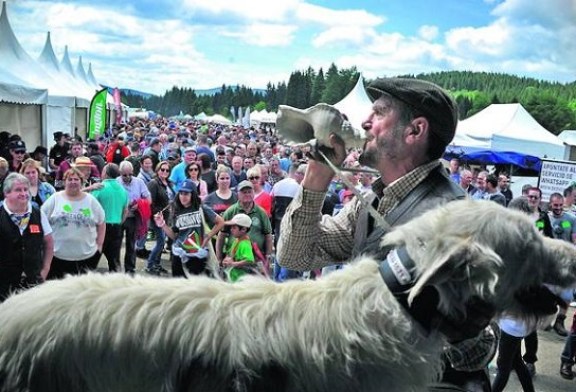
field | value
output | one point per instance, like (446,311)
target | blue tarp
(488,157)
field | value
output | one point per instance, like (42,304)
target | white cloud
(262,34)
(329,17)
(529,38)
(249,10)
(202,44)
(343,35)
(489,40)
(428,33)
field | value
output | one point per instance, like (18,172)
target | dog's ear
(459,271)
(559,258)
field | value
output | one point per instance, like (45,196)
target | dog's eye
(421,242)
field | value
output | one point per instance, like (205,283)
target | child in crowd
(239,258)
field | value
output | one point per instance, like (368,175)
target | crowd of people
(257,206)
(554,218)
(157,187)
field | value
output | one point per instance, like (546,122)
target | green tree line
(552,104)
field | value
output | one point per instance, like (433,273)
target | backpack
(117,155)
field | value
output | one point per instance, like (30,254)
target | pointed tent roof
(91,78)
(356,105)
(10,48)
(80,73)
(16,61)
(66,64)
(47,58)
(508,127)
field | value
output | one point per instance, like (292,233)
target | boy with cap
(239,258)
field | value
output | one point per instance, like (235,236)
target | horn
(302,126)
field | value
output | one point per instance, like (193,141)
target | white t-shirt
(287,187)
(74,225)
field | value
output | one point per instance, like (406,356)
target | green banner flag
(97,116)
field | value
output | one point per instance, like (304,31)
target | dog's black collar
(400,275)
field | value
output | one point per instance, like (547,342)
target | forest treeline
(552,104)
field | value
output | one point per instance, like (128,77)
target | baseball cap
(188,149)
(17,145)
(245,184)
(425,97)
(188,186)
(242,220)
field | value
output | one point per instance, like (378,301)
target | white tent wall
(23,120)
(81,122)
(530,147)
(58,118)
(507,127)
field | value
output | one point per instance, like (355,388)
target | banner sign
(97,115)
(555,176)
(117,105)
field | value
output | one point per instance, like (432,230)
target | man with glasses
(137,191)
(17,150)
(564,228)
(542,220)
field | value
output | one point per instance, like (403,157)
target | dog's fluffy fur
(344,332)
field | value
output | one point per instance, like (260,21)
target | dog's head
(481,259)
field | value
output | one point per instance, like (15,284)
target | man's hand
(319,174)
(336,153)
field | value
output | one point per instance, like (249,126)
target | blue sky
(152,45)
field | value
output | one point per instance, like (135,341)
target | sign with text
(555,176)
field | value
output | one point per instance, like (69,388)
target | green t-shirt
(240,250)
(261,225)
(113,198)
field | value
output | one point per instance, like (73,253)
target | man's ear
(464,269)
(417,129)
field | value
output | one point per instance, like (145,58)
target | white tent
(218,119)
(57,98)
(507,127)
(568,137)
(201,117)
(356,105)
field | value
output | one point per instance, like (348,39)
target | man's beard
(385,147)
(369,157)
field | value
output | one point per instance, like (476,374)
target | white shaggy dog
(347,332)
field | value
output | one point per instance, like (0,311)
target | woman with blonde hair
(223,197)
(261,197)
(39,190)
(78,225)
